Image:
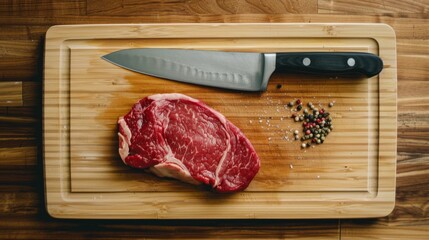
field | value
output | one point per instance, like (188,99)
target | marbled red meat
(173,135)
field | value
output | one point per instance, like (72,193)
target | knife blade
(244,71)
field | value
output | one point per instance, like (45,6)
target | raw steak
(173,135)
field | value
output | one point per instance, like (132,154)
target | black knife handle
(342,63)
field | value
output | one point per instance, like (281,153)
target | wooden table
(22,29)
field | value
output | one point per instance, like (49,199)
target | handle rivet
(351,62)
(306,61)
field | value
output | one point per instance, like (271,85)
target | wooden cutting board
(351,175)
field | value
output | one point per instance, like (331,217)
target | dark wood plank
(406,28)
(19,127)
(11,94)
(22,60)
(20,32)
(32,93)
(405,8)
(413,69)
(196,7)
(18,156)
(31,8)
(37,226)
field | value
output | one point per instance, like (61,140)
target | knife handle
(341,63)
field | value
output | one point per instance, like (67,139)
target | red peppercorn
(313,140)
(321,111)
(307,132)
(293,115)
(318,120)
(298,101)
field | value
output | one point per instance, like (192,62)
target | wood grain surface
(23,25)
(351,175)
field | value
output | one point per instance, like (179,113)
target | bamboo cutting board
(351,175)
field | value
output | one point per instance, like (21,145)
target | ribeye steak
(173,135)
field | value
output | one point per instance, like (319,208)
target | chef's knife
(240,70)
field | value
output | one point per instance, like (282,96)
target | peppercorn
(316,126)
(290,104)
(303,145)
(331,104)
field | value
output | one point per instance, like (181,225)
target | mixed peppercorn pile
(317,123)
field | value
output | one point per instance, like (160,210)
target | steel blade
(232,70)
